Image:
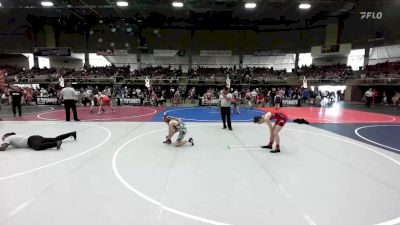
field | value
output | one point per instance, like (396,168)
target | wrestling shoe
(267,146)
(277,150)
(59,145)
(167,141)
(74,135)
(191,141)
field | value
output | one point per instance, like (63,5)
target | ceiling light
(250,5)
(177,4)
(122,4)
(47,4)
(1,4)
(304,6)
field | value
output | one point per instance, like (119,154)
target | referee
(225,100)
(68,94)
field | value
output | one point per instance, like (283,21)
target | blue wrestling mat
(205,114)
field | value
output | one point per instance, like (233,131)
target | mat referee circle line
(374,142)
(392,118)
(50,109)
(196,120)
(209,221)
(347,121)
(39,116)
(66,159)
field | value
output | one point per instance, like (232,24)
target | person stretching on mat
(175,125)
(281,119)
(35,142)
(104,101)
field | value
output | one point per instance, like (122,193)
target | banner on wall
(215,53)
(165,53)
(305,82)
(214,102)
(47,101)
(290,102)
(120,52)
(130,101)
(108,52)
(41,51)
(330,48)
(2,79)
(228,82)
(168,52)
(270,53)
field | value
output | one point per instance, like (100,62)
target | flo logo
(371,15)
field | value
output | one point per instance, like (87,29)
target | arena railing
(382,80)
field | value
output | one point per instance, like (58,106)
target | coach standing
(68,94)
(368,97)
(16,99)
(225,100)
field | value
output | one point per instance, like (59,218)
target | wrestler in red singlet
(280,117)
(105,100)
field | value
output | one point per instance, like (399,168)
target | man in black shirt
(16,98)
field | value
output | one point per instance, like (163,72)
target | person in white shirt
(68,95)
(225,100)
(35,142)
(107,92)
(368,97)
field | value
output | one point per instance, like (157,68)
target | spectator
(16,99)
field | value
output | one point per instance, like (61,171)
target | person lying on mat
(34,142)
(175,125)
(280,121)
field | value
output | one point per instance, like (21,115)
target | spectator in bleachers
(331,72)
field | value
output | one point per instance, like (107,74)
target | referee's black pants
(16,105)
(226,116)
(368,101)
(38,143)
(70,104)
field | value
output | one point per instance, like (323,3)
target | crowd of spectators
(29,94)
(93,72)
(263,74)
(205,73)
(245,75)
(157,72)
(332,72)
(10,70)
(382,70)
(268,96)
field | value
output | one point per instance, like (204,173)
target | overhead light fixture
(122,4)
(1,4)
(304,6)
(47,4)
(177,4)
(250,5)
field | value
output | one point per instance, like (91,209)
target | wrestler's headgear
(166,118)
(257,119)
